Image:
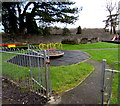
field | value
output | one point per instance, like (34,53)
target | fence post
(103,80)
(30,60)
(119,89)
(46,74)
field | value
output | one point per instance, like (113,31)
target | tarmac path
(100,49)
(89,91)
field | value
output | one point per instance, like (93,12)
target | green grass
(111,56)
(89,46)
(63,77)
(13,71)
(66,77)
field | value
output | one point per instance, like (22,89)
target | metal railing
(107,82)
(28,68)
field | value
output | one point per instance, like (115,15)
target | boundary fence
(29,68)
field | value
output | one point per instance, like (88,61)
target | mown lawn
(66,77)
(90,46)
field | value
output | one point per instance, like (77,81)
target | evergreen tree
(18,16)
(79,30)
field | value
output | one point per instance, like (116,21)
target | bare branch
(110,6)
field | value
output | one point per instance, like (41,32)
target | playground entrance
(34,77)
(107,83)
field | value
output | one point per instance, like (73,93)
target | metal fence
(29,68)
(107,82)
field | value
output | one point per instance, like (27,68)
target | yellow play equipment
(57,46)
(54,49)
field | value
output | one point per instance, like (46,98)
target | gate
(107,81)
(28,68)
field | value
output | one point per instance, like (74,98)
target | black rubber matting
(70,57)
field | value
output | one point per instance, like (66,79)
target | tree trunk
(111,30)
(114,30)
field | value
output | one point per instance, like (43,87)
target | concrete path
(99,49)
(89,91)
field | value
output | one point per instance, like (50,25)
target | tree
(79,30)
(9,19)
(111,18)
(18,16)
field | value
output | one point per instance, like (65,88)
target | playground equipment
(116,37)
(12,45)
(52,49)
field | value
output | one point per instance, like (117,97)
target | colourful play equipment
(49,46)
(53,49)
(116,37)
(12,45)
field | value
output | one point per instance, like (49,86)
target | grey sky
(92,15)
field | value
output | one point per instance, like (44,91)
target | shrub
(71,41)
(84,40)
(79,30)
(66,31)
(94,40)
(46,31)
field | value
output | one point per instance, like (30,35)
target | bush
(46,31)
(94,40)
(79,30)
(66,31)
(84,40)
(40,30)
(71,41)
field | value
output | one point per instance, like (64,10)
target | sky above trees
(92,15)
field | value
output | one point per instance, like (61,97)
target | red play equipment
(13,44)
(116,37)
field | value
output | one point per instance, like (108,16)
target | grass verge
(98,45)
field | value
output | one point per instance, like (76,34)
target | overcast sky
(92,15)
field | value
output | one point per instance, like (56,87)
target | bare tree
(110,6)
(111,18)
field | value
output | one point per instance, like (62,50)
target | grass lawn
(66,77)
(90,46)
(111,56)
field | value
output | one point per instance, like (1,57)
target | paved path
(99,49)
(89,91)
